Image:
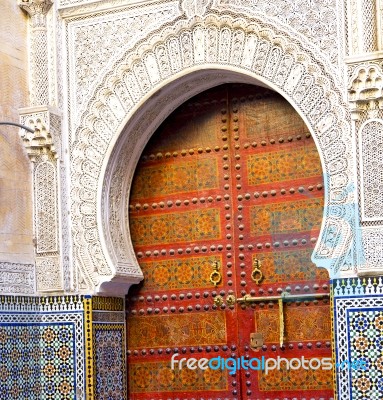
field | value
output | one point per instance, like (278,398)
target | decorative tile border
(89,348)
(108,328)
(108,303)
(357,286)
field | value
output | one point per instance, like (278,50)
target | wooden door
(229,183)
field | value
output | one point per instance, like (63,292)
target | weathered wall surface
(16,244)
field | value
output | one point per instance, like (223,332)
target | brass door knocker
(215,276)
(256,274)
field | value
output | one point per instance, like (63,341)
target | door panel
(178,219)
(278,207)
(232,179)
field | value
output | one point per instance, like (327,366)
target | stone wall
(16,244)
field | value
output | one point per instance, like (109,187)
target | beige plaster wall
(15,177)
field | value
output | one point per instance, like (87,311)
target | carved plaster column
(44,149)
(365,84)
(37,10)
(363,26)
(365,92)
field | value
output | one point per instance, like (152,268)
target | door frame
(147,84)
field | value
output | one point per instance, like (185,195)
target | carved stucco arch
(173,65)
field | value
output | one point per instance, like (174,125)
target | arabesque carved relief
(251,49)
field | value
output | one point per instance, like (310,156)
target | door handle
(215,276)
(257,274)
(284,296)
(247,299)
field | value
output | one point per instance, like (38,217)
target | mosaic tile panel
(277,166)
(37,361)
(159,377)
(366,342)
(197,329)
(358,327)
(180,273)
(286,265)
(358,287)
(180,177)
(176,227)
(297,216)
(301,323)
(42,348)
(300,379)
(109,361)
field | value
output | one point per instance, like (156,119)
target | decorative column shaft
(365,91)
(363,29)
(369,38)
(37,10)
(44,148)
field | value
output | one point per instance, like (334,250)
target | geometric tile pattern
(285,265)
(108,303)
(109,359)
(283,165)
(186,176)
(176,227)
(178,273)
(108,348)
(197,329)
(159,377)
(37,361)
(287,217)
(358,328)
(366,342)
(301,379)
(42,348)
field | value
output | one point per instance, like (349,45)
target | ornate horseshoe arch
(153,79)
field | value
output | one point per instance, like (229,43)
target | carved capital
(38,143)
(33,7)
(37,9)
(46,136)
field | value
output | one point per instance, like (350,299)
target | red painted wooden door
(230,182)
